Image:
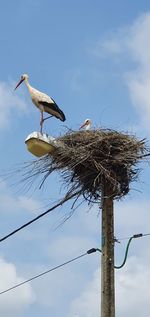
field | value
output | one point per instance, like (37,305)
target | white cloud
(57,287)
(132,289)
(28,204)
(138,46)
(15,302)
(132,281)
(11,104)
(110,45)
(20,203)
(83,295)
(88,303)
(132,216)
(68,246)
(132,292)
(132,44)
(10,203)
(137,36)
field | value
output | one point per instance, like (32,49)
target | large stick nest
(87,159)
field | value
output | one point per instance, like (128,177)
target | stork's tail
(62,116)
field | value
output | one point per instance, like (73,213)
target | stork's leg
(41,121)
(47,118)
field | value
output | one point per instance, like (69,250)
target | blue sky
(93,58)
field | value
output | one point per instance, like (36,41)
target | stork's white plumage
(86,125)
(42,101)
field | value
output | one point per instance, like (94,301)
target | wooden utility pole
(107,259)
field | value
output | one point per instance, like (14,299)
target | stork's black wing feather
(53,109)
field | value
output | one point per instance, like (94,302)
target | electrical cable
(141,235)
(126,254)
(66,198)
(138,235)
(50,270)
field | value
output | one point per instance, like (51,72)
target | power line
(138,235)
(125,257)
(135,236)
(66,198)
(50,270)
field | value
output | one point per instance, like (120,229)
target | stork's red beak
(20,81)
(83,125)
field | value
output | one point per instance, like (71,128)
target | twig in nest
(88,157)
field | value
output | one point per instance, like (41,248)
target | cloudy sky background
(93,58)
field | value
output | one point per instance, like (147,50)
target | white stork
(42,101)
(86,125)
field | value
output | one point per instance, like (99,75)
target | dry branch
(86,158)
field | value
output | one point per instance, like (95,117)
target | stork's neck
(88,126)
(27,84)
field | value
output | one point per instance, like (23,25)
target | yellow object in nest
(40,144)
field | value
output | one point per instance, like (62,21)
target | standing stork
(42,101)
(86,125)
